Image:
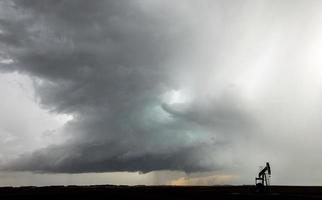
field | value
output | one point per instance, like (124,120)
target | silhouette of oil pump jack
(262,178)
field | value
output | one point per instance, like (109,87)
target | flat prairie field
(161,192)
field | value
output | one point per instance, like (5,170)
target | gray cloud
(108,63)
(200,86)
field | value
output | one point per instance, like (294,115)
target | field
(160,192)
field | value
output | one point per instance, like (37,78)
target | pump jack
(262,178)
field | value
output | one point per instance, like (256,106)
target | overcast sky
(160,92)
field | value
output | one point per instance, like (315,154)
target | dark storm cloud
(107,64)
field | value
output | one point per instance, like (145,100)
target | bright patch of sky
(24,126)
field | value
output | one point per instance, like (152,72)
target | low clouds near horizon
(154,85)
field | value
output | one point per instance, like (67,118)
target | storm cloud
(111,65)
(192,86)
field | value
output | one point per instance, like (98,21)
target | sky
(150,92)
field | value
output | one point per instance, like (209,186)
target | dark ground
(160,192)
